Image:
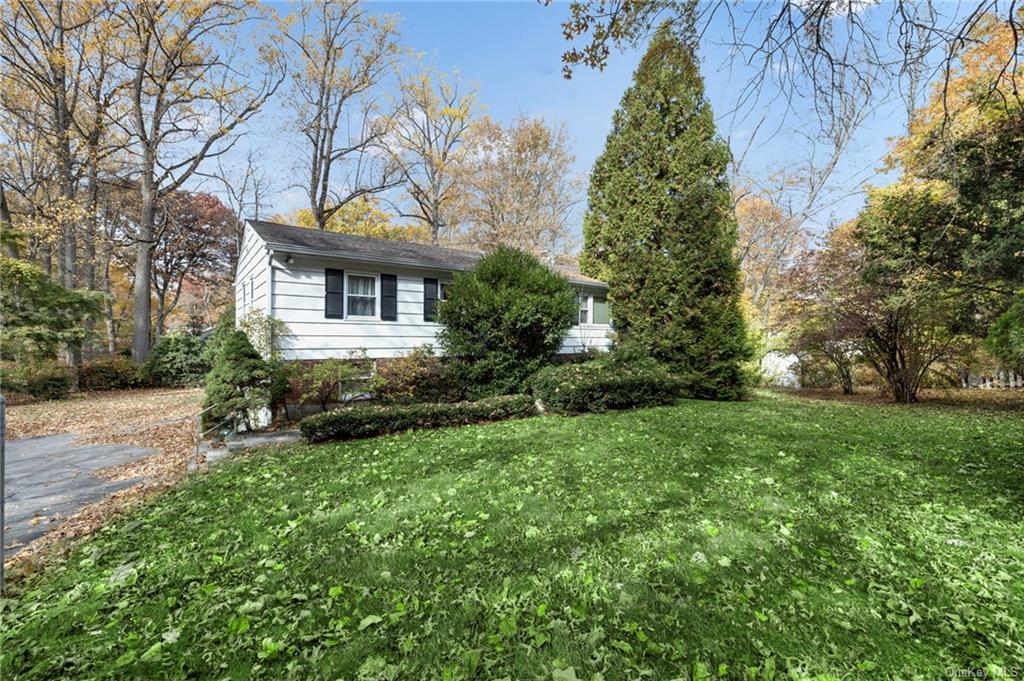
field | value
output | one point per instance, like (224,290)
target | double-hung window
(361,296)
(583,303)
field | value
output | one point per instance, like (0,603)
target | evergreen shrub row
(368,421)
(48,381)
(599,386)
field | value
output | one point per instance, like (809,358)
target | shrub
(368,421)
(503,321)
(240,382)
(108,373)
(265,333)
(40,317)
(1006,337)
(595,386)
(176,360)
(420,376)
(814,372)
(225,326)
(333,380)
(41,381)
(628,356)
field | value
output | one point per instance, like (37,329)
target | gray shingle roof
(368,249)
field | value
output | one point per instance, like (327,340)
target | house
(340,292)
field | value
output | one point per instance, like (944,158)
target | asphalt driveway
(49,478)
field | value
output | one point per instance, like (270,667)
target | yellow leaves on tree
(362,216)
(982,92)
(768,237)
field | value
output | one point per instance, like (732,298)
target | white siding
(252,280)
(587,337)
(298,300)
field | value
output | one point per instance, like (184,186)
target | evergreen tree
(240,382)
(660,228)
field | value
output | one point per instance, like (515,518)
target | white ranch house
(339,293)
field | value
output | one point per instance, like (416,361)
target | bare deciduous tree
(343,53)
(186,98)
(46,51)
(246,192)
(832,51)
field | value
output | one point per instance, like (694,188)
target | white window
(361,298)
(583,303)
(442,290)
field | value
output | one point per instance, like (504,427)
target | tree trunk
(6,226)
(143,268)
(89,266)
(904,390)
(846,380)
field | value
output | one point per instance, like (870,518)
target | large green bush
(177,359)
(1006,338)
(108,373)
(503,321)
(368,421)
(241,382)
(600,386)
(420,376)
(48,381)
(40,317)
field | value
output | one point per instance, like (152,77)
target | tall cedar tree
(660,228)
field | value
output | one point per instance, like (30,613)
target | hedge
(43,382)
(594,386)
(368,421)
(108,373)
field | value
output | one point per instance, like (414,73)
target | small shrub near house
(332,381)
(108,373)
(241,382)
(503,321)
(176,360)
(368,421)
(600,386)
(420,376)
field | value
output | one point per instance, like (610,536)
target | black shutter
(429,300)
(334,294)
(388,297)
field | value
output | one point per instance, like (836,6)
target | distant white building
(780,369)
(339,293)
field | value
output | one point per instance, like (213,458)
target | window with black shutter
(429,300)
(388,297)
(334,294)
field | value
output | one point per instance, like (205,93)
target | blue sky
(512,50)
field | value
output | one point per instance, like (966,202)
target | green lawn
(819,538)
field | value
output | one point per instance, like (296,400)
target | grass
(824,540)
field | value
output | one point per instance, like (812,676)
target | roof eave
(358,257)
(405,262)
